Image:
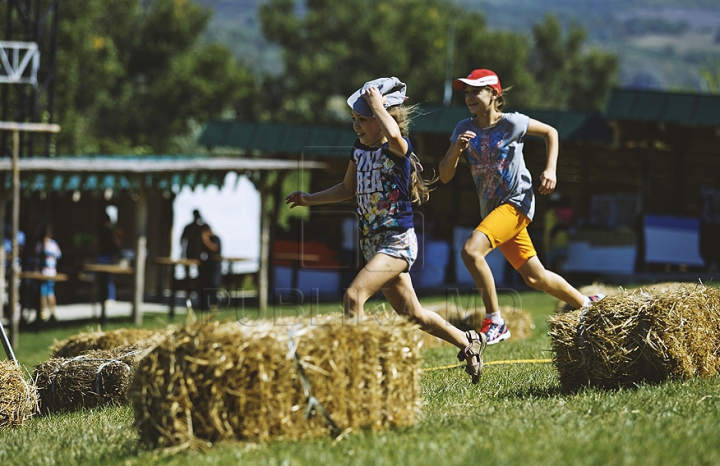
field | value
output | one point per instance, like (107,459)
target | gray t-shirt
(497,165)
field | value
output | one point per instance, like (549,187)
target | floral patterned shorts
(402,245)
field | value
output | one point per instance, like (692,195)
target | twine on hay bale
(639,336)
(95,378)
(99,340)
(228,381)
(18,398)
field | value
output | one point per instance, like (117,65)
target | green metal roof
(664,107)
(278,138)
(98,173)
(335,141)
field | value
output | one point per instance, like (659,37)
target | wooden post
(264,273)
(3,255)
(14,270)
(278,201)
(140,253)
(5,341)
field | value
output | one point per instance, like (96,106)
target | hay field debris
(208,382)
(18,397)
(94,378)
(646,335)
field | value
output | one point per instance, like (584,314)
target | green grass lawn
(517,414)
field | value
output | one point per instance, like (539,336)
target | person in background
(210,269)
(21,260)
(191,242)
(492,143)
(558,223)
(191,246)
(48,252)
(109,251)
(710,225)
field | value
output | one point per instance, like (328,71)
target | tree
(336,45)
(339,44)
(569,78)
(131,75)
(710,73)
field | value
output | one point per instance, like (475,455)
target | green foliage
(711,74)
(569,79)
(335,46)
(338,45)
(133,78)
(295,181)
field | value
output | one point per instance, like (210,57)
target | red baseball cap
(479,78)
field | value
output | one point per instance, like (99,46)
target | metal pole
(449,60)
(14,266)
(7,345)
(5,342)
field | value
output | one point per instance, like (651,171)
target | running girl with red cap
(492,143)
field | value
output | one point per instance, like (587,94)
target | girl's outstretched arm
(548,178)
(389,127)
(449,163)
(337,193)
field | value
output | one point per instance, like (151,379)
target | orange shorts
(506,228)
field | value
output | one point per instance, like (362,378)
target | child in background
(492,142)
(383,176)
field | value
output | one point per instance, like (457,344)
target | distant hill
(653,39)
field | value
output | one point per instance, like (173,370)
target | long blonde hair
(419,187)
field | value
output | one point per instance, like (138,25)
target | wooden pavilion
(145,179)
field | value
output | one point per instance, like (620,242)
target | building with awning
(143,182)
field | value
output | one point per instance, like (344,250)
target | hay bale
(518,321)
(94,378)
(666,286)
(227,381)
(589,290)
(431,341)
(639,337)
(99,340)
(18,398)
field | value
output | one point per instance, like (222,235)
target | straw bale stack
(94,378)
(639,336)
(99,340)
(227,381)
(590,290)
(18,398)
(518,321)
(666,286)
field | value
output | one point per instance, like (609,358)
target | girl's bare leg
(473,255)
(387,274)
(376,273)
(402,297)
(539,278)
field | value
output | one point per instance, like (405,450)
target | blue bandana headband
(391,88)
